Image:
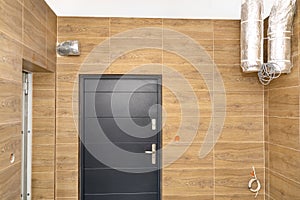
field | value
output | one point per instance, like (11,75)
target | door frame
(26,136)
(82,78)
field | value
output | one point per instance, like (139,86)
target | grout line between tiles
(278,117)
(11,123)
(10,166)
(213,120)
(264,145)
(285,147)
(282,176)
(55,157)
(282,88)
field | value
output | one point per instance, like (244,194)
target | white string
(268,72)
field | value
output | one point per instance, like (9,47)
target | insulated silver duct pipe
(279,34)
(252,35)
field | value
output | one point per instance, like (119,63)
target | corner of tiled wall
(282,136)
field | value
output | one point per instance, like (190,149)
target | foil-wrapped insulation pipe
(252,35)
(280,33)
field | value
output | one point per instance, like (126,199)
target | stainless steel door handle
(153,153)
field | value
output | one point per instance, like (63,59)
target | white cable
(250,185)
(268,72)
(254,179)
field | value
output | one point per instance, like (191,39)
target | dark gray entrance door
(120,130)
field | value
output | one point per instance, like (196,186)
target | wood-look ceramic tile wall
(282,134)
(224,172)
(27,31)
(43,141)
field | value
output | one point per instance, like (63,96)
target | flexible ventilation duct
(279,34)
(252,35)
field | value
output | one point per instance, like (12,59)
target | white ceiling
(194,9)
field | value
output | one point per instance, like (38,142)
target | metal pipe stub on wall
(68,48)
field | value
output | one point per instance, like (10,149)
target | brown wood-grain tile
(267,157)
(227,29)
(266,115)
(83,27)
(67,112)
(120,25)
(44,81)
(66,131)
(239,155)
(285,132)
(67,81)
(44,131)
(189,159)
(188,182)
(43,98)
(43,112)
(119,68)
(285,161)
(241,129)
(43,103)
(187,51)
(186,103)
(282,188)
(10,186)
(235,80)
(232,196)
(119,47)
(67,157)
(203,64)
(11,62)
(11,19)
(66,184)
(10,99)
(189,129)
(51,21)
(34,34)
(139,57)
(239,103)
(186,77)
(35,58)
(102,68)
(194,28)
(43,158)
(188,197)
(51,66)
(38,8)
(284,102)
(67,84)
(66,99)
(10,143)
(267,181)
(227,52)
(43,185)
(51,46)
